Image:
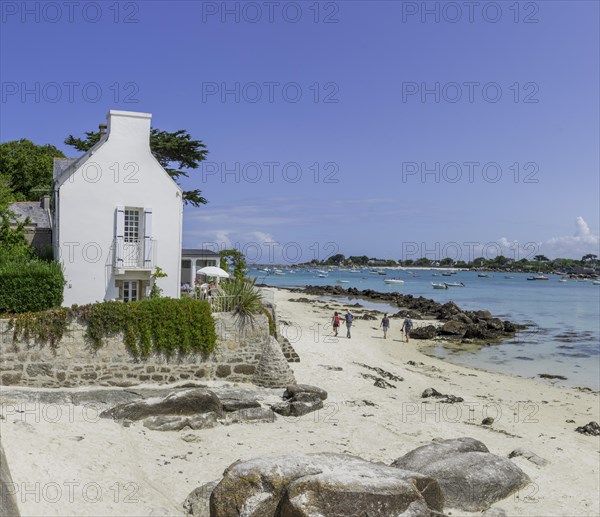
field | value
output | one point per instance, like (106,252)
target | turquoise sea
(564,337)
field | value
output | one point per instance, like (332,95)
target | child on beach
(335,321)
(407,326)
(385,323)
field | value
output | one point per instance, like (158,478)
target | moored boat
(439,286)
(454,284)
(393,281)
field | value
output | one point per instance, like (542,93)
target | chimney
(129,128)
(102,128)
(45,202)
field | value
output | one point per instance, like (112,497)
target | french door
(131,290)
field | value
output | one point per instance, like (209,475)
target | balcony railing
(218,300)
(137,254)
(223,303)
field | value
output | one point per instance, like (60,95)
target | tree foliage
(175,151)
(27,168)
(335,259)
(12,231)
(590,258)
(238,262)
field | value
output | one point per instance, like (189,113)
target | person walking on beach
(348,317)
(335,321)
(385,323)
(407,326)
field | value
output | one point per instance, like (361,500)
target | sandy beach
(67,461)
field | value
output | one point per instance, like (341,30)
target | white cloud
(581,227)
(256,245)
(583,241)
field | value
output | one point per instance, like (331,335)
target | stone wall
(289,352)
(236,358)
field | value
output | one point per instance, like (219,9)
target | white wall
(121,171)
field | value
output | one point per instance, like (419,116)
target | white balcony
(137,255)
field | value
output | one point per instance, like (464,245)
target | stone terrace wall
(236,358)
(288,350)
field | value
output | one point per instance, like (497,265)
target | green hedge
(161,325)
(29,285)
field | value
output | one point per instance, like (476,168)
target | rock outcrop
(433,393)
(459,324)
(182,403)
(591,429)
(195,408)
(332,485)
(426,332)
(471,478)
(300,399)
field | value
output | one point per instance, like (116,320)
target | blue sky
(325,124)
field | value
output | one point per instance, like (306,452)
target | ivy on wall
(164,326)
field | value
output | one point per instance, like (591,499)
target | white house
(117,215)
(192,260)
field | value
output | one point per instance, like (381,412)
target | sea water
(563,318)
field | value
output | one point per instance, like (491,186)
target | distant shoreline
(590,276)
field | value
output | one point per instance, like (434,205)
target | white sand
(137,472)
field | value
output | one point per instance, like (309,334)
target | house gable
(128,139)
(118,215)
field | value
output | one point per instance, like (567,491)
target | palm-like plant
(243,299)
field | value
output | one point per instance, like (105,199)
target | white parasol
(213,271)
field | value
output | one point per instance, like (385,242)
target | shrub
(43,327)
(246,300)
(28,284)
(162,325)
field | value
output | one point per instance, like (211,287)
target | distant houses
(192,260)
(37,215)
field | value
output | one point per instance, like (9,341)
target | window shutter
(147,238)
(119,236)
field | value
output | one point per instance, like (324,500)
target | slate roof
(61,165)
(198,253)
(32,209)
